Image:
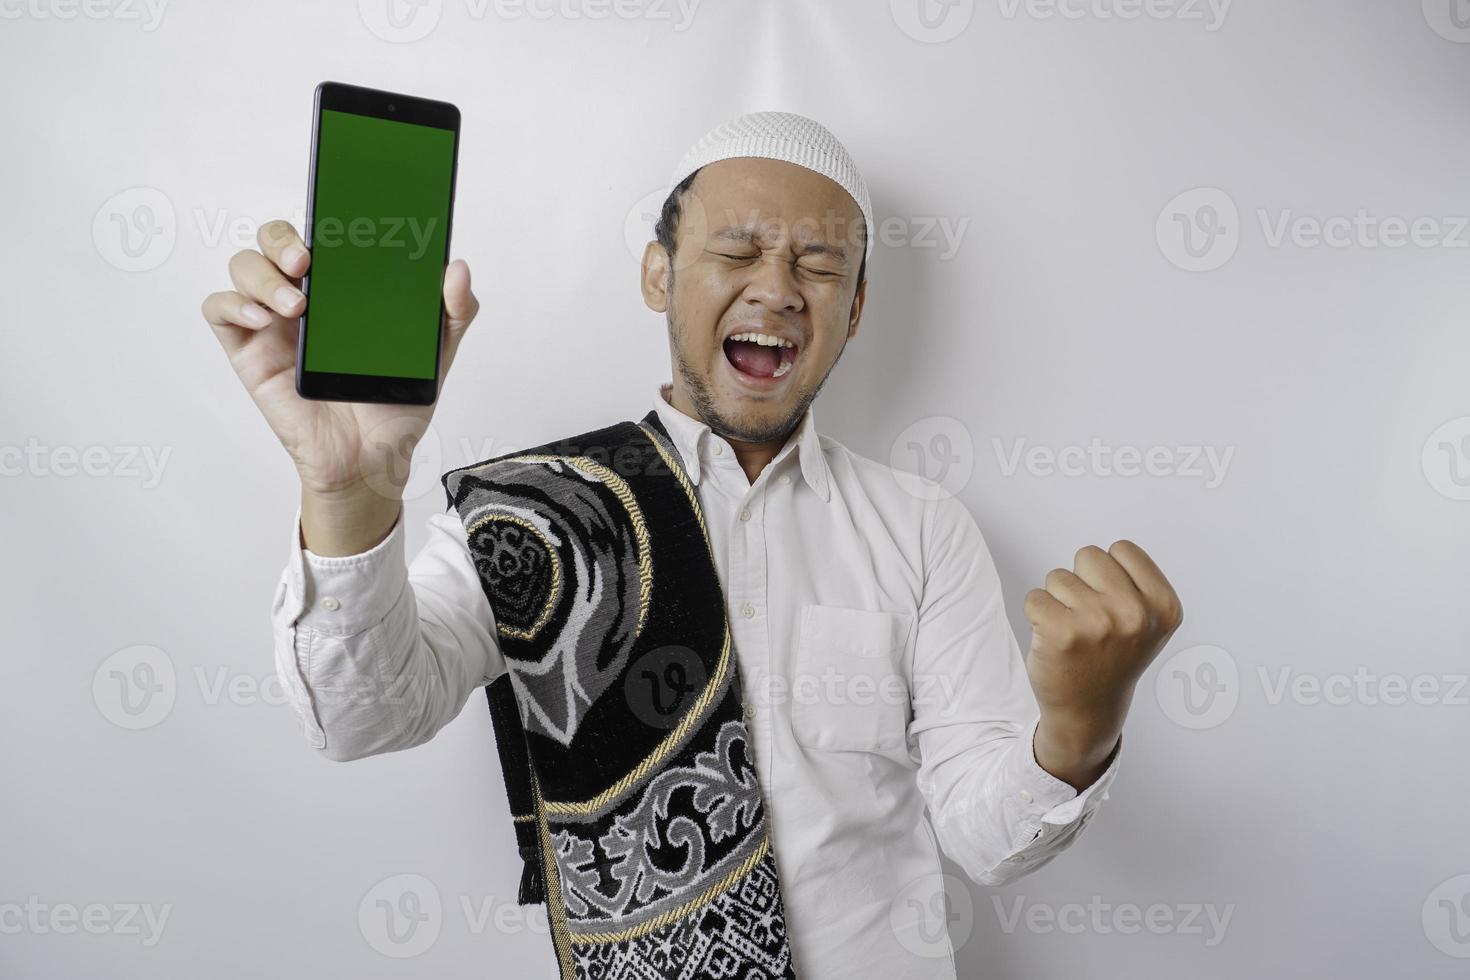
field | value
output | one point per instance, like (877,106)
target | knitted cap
(781,136)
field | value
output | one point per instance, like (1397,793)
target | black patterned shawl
(619,721)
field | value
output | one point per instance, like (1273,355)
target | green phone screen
(380,221)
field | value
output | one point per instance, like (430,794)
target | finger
(460,304)
(1100,571)
(1150,581)
(460,307)
(1043,609)
(280,244)
(234,318)
(1069,589)
(258,278)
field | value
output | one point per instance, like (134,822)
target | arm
(996,811)
(375,656)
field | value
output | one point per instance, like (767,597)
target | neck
(752,456)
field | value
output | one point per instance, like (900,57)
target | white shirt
(881,675)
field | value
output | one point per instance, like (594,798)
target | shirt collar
(690,435)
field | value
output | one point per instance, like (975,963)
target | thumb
(460,307)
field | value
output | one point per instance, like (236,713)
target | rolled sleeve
(995,810)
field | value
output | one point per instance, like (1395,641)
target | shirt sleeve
(994,809)
(375,655)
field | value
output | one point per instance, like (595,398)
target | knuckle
(1055,577)
(1093,624)
(1121,545)
(275,233)
(1066,636)
(1131,618)
(241,260)
(1172,613)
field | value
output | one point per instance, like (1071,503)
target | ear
(655,277)
(858,299)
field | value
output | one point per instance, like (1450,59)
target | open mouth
(760,356)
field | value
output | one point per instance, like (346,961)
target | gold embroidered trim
(530,632)
(556,909)
(658,922)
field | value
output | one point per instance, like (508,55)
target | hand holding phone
(352,456)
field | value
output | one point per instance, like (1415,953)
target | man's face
(767,248)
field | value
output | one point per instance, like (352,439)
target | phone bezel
(330,386)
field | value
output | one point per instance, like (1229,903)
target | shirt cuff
(1045,805)
(346,594)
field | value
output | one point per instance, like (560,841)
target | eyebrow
(746,236)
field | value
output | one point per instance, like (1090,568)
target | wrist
(1076,751)
(347,521)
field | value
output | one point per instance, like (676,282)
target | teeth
(782,369)
(764,339)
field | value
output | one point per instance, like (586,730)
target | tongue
(753,358)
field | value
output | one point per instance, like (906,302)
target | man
(881,676)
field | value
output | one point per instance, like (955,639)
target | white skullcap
(780,136)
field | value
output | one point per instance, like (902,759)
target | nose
(773,285)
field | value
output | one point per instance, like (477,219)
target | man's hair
(667,229)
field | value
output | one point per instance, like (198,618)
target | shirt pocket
(848,691)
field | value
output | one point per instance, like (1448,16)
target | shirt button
(745,515)
(784,479)
(1025,795)
(330,604)
(1105,794)
(747,610)
(749,712)
(719,449)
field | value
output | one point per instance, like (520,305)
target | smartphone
(379,202)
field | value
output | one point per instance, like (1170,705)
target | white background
(1056,142)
